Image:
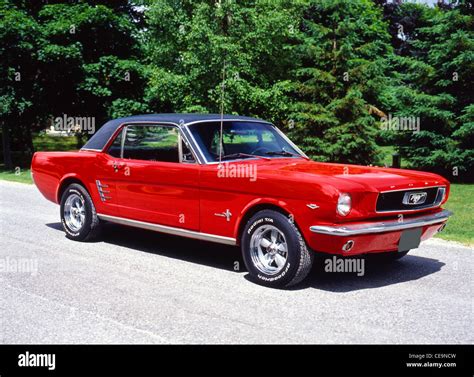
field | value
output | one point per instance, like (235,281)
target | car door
(104,187)
(157,178)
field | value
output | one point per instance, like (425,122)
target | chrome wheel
(74,212)
(268,249)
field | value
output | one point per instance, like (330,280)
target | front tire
(274,250)
(78,214)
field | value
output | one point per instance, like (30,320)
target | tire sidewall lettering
(66,229)
(250,230)
(278,277)
(259,222)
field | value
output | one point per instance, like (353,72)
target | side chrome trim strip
(169,230)
(382,226)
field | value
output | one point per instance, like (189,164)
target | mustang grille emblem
(414,198)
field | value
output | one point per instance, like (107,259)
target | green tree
(77,58)
(20,38)
(103,76)
(435,85)
(343,53)
(189,42)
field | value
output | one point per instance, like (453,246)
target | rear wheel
(274,251)
(78,214)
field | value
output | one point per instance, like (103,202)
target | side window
(152,143)
(116,147)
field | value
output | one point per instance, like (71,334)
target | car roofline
(189,137)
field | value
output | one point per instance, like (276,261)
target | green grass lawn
(54,143)
(21,175)
(386,153)
(461,225)
(42,142)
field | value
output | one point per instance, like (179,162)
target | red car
(239,181)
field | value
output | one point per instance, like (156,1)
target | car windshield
(241,139)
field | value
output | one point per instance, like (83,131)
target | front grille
(402,200)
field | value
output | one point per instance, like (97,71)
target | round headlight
(344,204)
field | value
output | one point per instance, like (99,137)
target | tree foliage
(434,73)
(58,58)
(343,67)
(327,71)
(190,42)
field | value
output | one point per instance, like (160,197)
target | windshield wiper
(234,155)
(285,153)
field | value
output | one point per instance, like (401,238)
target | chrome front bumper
(382,226)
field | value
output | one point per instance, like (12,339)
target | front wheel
(78,214)
(274,251)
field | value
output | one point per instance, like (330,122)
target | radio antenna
(221,135)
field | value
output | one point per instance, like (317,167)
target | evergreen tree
(435,85)
(343,50)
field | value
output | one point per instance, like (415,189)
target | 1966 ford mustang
(239,181)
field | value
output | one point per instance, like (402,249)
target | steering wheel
(214,155)
(261,150)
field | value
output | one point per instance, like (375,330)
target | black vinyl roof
(102,136)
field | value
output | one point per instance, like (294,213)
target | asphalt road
(136,286)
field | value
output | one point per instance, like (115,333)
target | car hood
(367,178)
